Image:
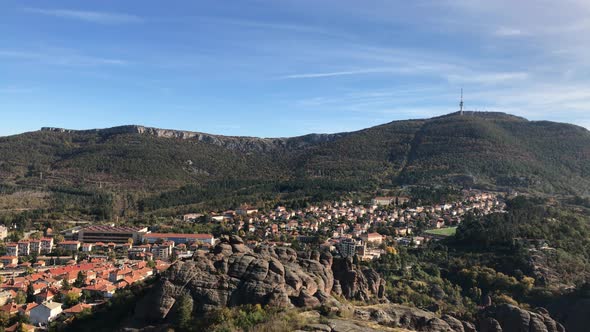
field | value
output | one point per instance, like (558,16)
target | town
(56,277)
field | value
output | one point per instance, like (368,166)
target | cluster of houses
(163,246)
(347,228)
(152,246)
(44,289)
(96,277)
(347,220)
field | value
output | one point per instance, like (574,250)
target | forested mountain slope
(493,150)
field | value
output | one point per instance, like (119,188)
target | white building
(374,238)
(35,247)
(3,232)
(24,248)
(46,244)
(382,200)
(12,249)
(45,313)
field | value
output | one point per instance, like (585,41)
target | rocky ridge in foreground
(232,274)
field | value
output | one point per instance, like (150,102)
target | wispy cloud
(88,16)
(339,73)
(509,32)
(266,25)
(61,58)
(488,78)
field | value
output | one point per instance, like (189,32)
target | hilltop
(477,149)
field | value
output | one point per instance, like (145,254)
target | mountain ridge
(187,134)
(232,142)
(483,149)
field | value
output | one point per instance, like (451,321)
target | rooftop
(52,305)
(112,229)
(177,235)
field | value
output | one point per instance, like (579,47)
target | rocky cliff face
(499,318)
(507,318)
(395,317)
(239,143)
(232,274)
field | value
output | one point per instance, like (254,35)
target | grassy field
(447,231)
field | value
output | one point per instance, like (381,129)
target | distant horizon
(49,128)
(287,68)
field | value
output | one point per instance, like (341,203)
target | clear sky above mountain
(288,67)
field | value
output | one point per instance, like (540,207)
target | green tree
(185,310)
(86,295)
(71,299)
(20,298)
(80,279)
(36,236)
(65,284)
(58,238)
(4,319)
(85,313)
(30,293)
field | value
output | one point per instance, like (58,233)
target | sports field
(447,231)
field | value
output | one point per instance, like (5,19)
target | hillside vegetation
(151,168)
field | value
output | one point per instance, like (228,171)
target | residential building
(373,238)
(44,296)
(179,238)
(3,232)
(24,248)
(77,309)
(160,252)
(25,310)
(46,244)
(138,252)
(11,249)
(246,210)
(119,274)
(389,200)
(8,260)
(106,290)
(347,247)
(70,245)
(35,247)
(10,309)
(386,200)
(87,247)
(114,234)
(45,313)
(5,296)
(191,216)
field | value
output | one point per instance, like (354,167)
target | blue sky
(288,67)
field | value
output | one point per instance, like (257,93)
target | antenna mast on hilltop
(461,103)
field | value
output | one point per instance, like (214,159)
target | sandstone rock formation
(508,318)
(499,318)
(232,274)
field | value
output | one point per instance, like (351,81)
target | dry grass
(24,200)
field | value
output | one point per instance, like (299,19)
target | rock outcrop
(414,319)
(232,274)
(509,318)
(499,318)
(357,284)
(239,143)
